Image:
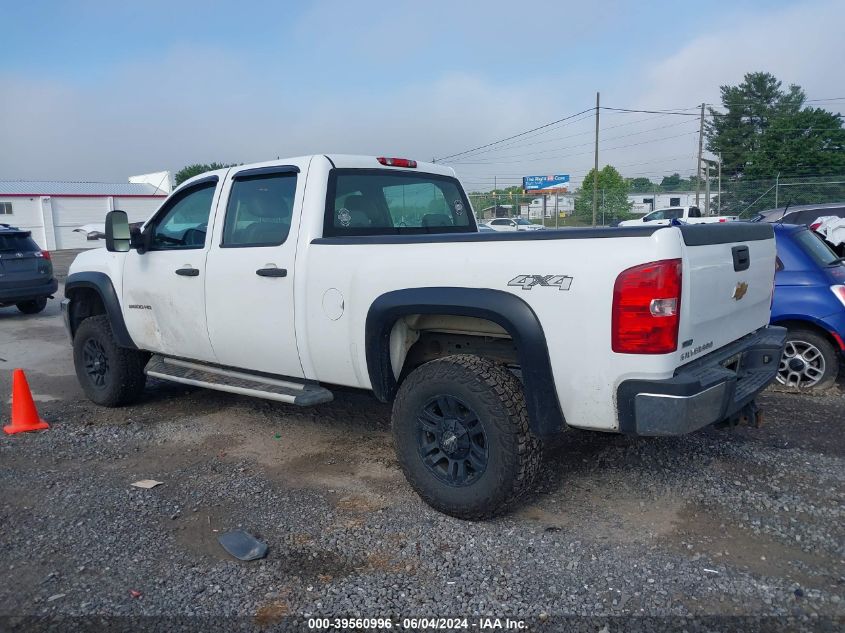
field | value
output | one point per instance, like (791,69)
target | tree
(613,204)
(676,183)
(641,185)
(196,169)
(767,136)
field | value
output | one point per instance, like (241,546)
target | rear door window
(260,210)
(385,202)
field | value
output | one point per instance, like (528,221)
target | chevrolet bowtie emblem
(740,290)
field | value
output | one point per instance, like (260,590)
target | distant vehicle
(801,214)
(26,272)
(513,224)
(832,229)
(809,301)
(690,215)
(483,228)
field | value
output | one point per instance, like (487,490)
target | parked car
(800,214)
(809,301)
(483,228)
(26,272)
(832,229)
(513,224)
(247,281)
(690,215)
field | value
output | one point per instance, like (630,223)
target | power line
(572,116)
(560,138)
(556,149)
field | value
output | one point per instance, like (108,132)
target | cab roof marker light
(397,162)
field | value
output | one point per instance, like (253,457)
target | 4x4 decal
(527,282)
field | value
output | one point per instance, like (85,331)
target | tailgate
(727,287)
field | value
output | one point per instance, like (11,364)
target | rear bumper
(26,293)
(705,391)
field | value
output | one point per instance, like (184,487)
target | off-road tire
(33,306)
(828,353)
(496,396)
(125,378)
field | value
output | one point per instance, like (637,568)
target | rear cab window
(393,202)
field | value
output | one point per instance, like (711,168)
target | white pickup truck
(281,279)
(689,215)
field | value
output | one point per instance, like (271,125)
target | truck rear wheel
(461,434)
(110,375)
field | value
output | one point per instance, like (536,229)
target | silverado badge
(740,290)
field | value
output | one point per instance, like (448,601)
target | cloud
(800,44)
(414,79)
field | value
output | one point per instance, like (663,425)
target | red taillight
(44,254)
(722,220)
(646,308)
(397,162)
(815,225)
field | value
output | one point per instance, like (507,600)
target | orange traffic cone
(24,415)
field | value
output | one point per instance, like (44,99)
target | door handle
(188,272)
(272,272)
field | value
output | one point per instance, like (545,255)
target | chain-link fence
(747,198)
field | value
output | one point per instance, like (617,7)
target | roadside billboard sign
(558,183)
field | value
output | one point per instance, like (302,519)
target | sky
(99,91)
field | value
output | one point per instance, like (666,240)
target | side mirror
(117,232)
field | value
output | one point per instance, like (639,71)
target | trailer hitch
(749,415)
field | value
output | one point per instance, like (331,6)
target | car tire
(110,375)
(808,356)
(462,438)
(33,306)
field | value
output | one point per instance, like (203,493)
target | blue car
(810,302)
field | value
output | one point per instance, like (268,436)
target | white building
(564,204)
(53,209)
(646,202)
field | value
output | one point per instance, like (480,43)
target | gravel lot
(744,522)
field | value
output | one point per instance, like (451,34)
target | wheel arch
(504,309)
(92,293)
(814,325)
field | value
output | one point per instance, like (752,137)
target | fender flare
(102,285)
(502,308)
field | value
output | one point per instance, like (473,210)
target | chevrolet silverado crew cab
(283,279)
(690,215)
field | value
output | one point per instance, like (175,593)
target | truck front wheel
(462,437)
(110,375)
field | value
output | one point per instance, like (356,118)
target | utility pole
(720,184)
(596,165)
(777,183)
(707,189)
(700,150)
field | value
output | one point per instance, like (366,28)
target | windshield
(384,202)
(522,221)
(17,243)
(814,246)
